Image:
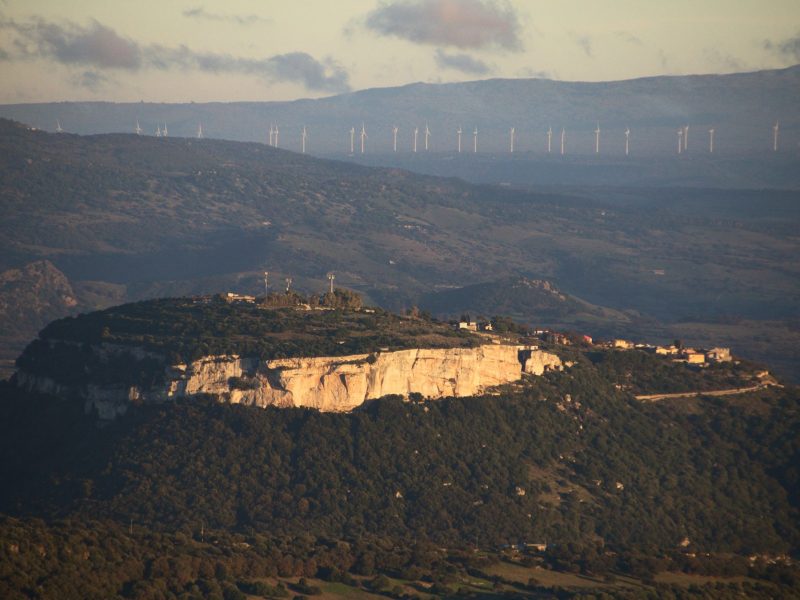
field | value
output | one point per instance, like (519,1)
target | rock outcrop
(326,383)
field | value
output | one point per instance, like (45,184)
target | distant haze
(741,108)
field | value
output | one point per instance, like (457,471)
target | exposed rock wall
(329,383)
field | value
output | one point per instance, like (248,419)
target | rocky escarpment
(325,383)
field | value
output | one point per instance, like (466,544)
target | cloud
(788,48)
(91,80)
(201,13)
(627,36)
(462,24)
(585,43)
(727,61)
(100,47)
(461,62)
(95,45)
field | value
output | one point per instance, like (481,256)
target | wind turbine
(199,131)
(711,141)
(363,136)
(685,138)
(303,138)
(597,139)
(331,276)
(138,129)
(288,281)
(458,131)
(165,133)
(158,130)
(276,136)
(680,139)
(511,134)
(475,140)
(563,140)
(395,129)
(427,136)
(352,140)
(549,138)
(271,133)
(775,130)
(266,286)
(416,134)
(58,127)
(627,140)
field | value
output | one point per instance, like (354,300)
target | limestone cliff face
(329,383)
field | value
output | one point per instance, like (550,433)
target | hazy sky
(177,51)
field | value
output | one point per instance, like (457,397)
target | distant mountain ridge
(741,106)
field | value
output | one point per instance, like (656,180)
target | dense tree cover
(172,331)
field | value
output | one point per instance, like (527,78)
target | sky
(263,50)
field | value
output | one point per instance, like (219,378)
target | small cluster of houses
(690,356)
(474,325)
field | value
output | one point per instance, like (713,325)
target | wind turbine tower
(458,131)
(627,140)
(416,134)
(199,131)
(597,139)
(303,138)
(165,132)
(680,139)
(138,129)
(711,141)
(158,130)
(266,286)
(395,129)
(276,136)
(352,140)
(271,134)
(563,140)
(475,141)
(331,277)
(549,139)
(775,130)
(427,137)
(58,127)
(511,135)
(363,137)
(288,281)
(685,138)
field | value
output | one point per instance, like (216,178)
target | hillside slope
(179,216)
